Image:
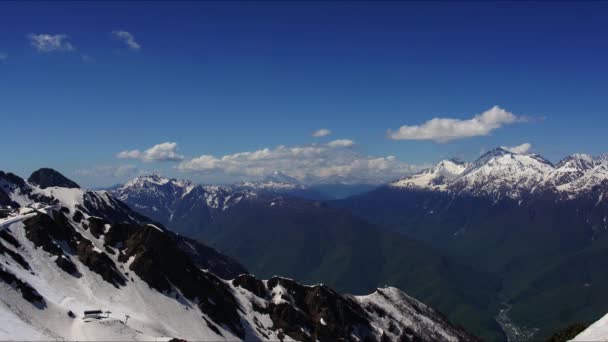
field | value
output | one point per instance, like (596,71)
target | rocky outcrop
(155,257)
(27,291)
(46,177)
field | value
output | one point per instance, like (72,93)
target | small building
(93,314)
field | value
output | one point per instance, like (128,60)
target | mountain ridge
(500,173)
(107,256)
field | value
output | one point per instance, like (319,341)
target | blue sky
(219,79)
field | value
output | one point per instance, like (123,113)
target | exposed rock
(252,284)
(155,257)
(47,177)
(27,291)
(96,226)
(6,236)
(67,265)
(15,256)
(77,216)
(100,263)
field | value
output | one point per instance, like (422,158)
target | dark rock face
(252,284)
(6,236)
(318,313)
(96,226)
(47,177)
(67,265)
(13,182)
(5,201)
(15,256)
(47,232)
(77,216)
(100,263)
(44,231)
(27,292)
(155,259)
(341,316)
(308,312)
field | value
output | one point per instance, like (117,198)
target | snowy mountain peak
(156,179)
(577,161)
(436,177)
(280,177)
(500,173)
(274,182)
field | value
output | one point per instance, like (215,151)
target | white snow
(400,307)
(435,178)
(505,174)
(597,331)
(152,315)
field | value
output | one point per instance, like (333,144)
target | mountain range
(540,227)
(80,265)
(508,246)
(515,229)
(273,232)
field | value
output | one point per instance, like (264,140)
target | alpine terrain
(65,251)
(540,227)
(271,232)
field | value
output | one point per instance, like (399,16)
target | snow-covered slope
(597,331)
(186,207)
(505,174)
(178,203)
(435,178)
(570,169)
(67,250)
(501,173)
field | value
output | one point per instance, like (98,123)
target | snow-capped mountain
(179,204)
(570,168)
(505,174)
(66,250)
(435,178)
(185,206)
(541,227)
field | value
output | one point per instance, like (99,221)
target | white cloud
(127,38)
(315,163)
(45,42)
(446,129)
(3,56)
(118,171)
(162,152)
(323,132)
(524,148)
(341,143)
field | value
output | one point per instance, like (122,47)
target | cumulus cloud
(166,151)
(114,171)
(127,38)
(315,163)
(447,129)
(341,143)
(45,42)
(524,148)
(323,132)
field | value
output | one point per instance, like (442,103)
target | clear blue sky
(223,78)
